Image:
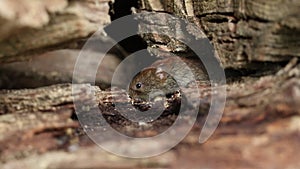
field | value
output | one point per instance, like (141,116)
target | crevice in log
(216,14)
(121,8)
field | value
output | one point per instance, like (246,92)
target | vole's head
(148,82)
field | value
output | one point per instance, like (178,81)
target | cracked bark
(242,32)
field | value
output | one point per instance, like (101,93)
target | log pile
(257,42)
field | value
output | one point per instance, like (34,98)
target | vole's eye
(138,85)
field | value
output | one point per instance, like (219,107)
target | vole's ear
(158,70)
(161,74)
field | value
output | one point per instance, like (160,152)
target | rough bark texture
(260,121)
(242,31)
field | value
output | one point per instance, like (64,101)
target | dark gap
(119,9)
(215,14)
(74,116)
(253,69)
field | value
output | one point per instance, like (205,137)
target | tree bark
(242,32)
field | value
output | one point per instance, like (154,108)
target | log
(259,112)
(39,127)
(243,32)
(53,68)
(49,25)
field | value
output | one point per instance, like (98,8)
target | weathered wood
(241,31)
(263,106)
(54,68)
(260,124)
(90,157)
(48,25)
